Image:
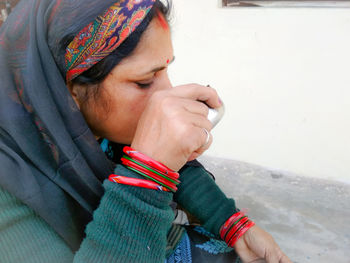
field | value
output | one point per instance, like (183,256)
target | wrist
(156,175)
(156,198)
(157,155)
(235,227)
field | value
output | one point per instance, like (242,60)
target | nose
(164,82)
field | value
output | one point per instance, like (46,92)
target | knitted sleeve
(201,197)
(130,225)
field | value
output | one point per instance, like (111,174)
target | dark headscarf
(49,158)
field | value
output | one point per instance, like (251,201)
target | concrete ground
(309,218)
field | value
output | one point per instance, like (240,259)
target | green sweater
(130,224)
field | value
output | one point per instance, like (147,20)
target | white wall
(284,75)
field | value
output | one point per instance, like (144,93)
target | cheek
(126,112)
(123,119)
(118,121)
(96,115)
(138,101)
(138,106)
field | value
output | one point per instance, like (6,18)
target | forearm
(130,225)
(200,195)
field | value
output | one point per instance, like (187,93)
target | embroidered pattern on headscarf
(104,35)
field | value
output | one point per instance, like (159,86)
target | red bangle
(234,226)
(235,229)
(150,162)
(149,175)
(227,225)
(241,232)
(136,182)
(152,170)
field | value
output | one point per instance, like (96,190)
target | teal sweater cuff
(200,196)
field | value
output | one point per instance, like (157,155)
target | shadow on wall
(5,8)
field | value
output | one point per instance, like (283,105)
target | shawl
(49,158)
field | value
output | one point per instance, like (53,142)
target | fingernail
(220,101)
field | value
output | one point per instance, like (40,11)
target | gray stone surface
(309,218)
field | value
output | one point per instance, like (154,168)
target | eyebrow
(159,68)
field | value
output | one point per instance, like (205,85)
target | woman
(79,80)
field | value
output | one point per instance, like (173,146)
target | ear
(74,91)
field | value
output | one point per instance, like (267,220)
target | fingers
(197,92)
(194,106)
(282,259)
(203,128)
(277,256)
(256,244)
(272,258)
(176,118)
(205,146)
(207,142)
(197,112)
(285,259)
(199,121)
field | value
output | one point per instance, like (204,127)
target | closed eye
(143,85)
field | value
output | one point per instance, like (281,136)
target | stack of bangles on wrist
(234,228)
(158,176)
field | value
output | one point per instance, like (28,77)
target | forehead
(155,46)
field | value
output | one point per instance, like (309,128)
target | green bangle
(150,169)
(235,223)
(149,177)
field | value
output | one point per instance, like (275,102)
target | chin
(121,141)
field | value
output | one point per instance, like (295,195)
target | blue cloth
(198,245)
(182,253)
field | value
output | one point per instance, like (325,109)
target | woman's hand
(256,245)
(171,128)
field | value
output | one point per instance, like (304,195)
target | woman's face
(126,90)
